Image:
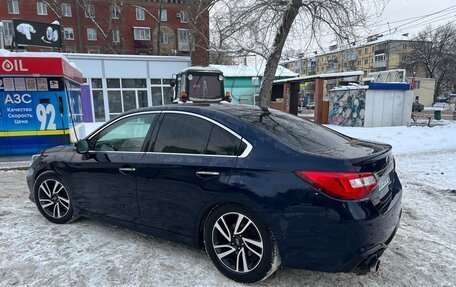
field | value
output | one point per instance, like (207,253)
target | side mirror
(82,146)
(173,83)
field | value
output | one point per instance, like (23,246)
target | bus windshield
(205,87)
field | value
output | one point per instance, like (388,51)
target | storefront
(118,83)
(40,102)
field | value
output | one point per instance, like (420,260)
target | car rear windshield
(300,133)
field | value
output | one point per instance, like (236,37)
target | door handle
(127,169)
(207,173)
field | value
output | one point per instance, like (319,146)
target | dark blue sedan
(256,188)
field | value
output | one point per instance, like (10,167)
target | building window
(8,28)
(13,7)
(66,10)
(41,8)
(116,12)
(164,37)
(162,93)
(140,14)
(404,47)
(91,34)
(366,62)
(379,58)
(116,36)
(184,18)
(90,11)
(404,58)
(163,15)
(417,85)
(366,50)
(183,40)
(142,34)
(125,95)
(98,100)
(68,33)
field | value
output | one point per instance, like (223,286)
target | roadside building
(375,54)
(423,90)
(244,81)
(118,83)
(116,27)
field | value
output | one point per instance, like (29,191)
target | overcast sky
(398,10)
(404,16)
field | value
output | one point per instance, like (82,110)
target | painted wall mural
(347,106)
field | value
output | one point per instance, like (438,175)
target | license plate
(383,182)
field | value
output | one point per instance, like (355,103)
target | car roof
(237,111)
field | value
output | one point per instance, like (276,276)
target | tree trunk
(273,60)
(159,27)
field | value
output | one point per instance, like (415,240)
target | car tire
(52,198)
(240,245)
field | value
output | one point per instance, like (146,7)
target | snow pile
(407,140)
(34,252)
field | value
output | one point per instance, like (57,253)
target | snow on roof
(350,87)
(249,71)
(6,53)
(322,76)
(125,57)
(202,69)
(360,44)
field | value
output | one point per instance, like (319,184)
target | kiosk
(40,102)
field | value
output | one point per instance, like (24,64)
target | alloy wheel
(237,242)
(53,198)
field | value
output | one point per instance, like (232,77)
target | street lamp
(156,20)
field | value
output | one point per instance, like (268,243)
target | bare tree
(198,13)
(435,50)
(262,27)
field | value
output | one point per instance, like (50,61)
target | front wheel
(53,199)
(240,245)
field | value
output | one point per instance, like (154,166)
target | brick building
(118,26)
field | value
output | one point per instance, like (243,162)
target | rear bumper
(336,238)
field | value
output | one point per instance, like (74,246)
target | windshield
(205,87)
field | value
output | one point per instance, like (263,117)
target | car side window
(188,134)
(126,134)
(222,142)
(181,133)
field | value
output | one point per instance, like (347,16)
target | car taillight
(347,186)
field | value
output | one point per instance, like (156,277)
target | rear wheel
(53,199)
(240,245)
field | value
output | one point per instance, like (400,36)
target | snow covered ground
(88,253)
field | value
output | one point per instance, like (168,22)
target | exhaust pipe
(374,264)
(371,264)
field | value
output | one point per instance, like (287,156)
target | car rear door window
(127,134)
(181,133)
(223,142)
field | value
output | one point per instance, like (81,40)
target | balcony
(379,64)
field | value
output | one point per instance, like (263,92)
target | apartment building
(148,27)
(376,53)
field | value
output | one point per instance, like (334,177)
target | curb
(14,166)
